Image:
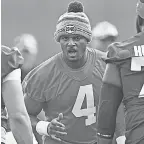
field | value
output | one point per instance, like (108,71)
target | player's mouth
(72,53)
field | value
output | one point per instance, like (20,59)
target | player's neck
(76,64)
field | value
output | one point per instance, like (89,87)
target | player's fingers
(55,138)
(57,128)
(57,133)
(60,117)
(56,123)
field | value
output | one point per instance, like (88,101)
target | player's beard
(76,62)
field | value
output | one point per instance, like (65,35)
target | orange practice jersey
(129,57)
(75,93)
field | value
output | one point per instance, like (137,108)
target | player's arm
(35,96)
(43,127)
(110,99)
(120,125)
(14,101)
(34,87)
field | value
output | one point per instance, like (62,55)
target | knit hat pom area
(75,7)
(74,21)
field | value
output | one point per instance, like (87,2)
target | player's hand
(56,128)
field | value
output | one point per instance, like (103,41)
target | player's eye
(64,38)
(76,38)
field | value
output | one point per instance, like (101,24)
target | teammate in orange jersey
(124,80)
(104,34)
(12,97)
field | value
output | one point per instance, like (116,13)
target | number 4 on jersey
(85,91)
(137,63)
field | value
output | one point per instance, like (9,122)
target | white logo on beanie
(70,29)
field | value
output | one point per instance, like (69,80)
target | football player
(67,86)
(104,34)
(27,45)
(124,80)
(12,97)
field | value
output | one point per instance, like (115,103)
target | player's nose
(71,42)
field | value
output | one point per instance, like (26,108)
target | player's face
(73,46)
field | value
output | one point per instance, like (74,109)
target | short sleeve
(116,54)
(33,85)
(14,75)
(100,57)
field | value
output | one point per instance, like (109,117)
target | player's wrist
(42,127)
(121,140)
